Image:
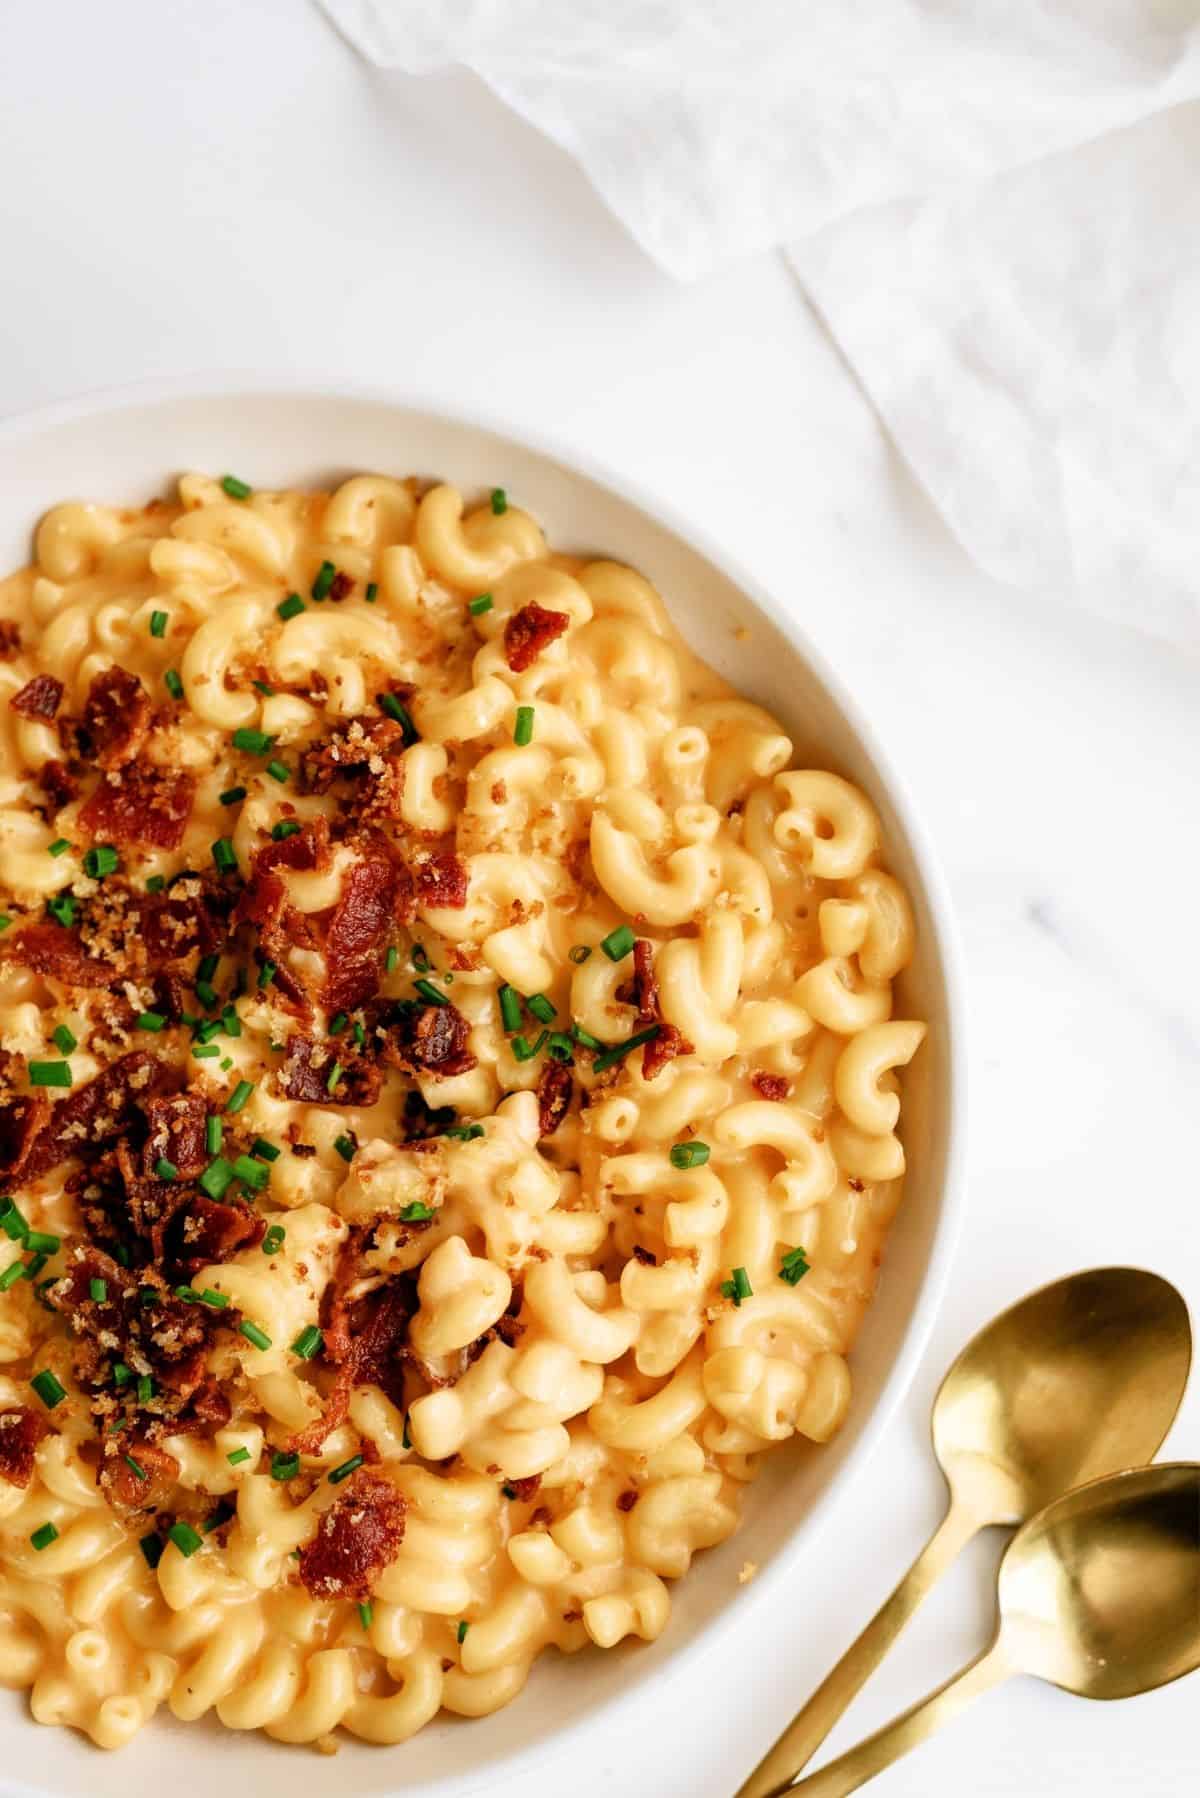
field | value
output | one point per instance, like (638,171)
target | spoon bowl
(1080,1379)
(1100,1594)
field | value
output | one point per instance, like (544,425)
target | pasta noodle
(448,1106)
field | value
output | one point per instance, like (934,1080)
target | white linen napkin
(994,204)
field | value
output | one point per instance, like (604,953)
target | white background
(191,187)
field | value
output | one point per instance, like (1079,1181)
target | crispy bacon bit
(21,1120)
(528,632)
(430,1039)
(50,949)
(663,1048)
(358,930)
(205,1232)
(10,639)
(140,804)
(264,903)
(642,991)
(126,1487)
(168,1334)
(116,717)
(305,1075)
(175,1133)
(770,1086)
(441,879)
(367,748)
(855,1184)
(57,783)
(356,1539)
(20,1432)
(554,1091)
(94,1114)
(341,585)
(206,1409)
(38,698)
(627,1500)
(365,1340)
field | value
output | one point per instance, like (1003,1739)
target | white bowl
(124,448)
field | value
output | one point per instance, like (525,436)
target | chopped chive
(689,1154)
(345,1146)
(737,1288)
(525,1050)
(145,1389)
(543,1009)
(206,992)
(559,1046)
(279,771)
(286,827)
(216,1301)
(213,1135)
(166,1170)
(406,1439)
(121,1374)
(98,1290)
(272,1242)
(346,1469)
(43,1537)
(12,1222)
(34,1266)
(5,920)
(619,1051)
(389,703)
(254,742)
(266,975)
(234,488)
(225,1063)
(253,1334)
(238,1097)
(173,683)
(392,959)
(372,592)
(579,954)
(523,728)
(253,1174)
(585,1039)
(138,1470)
(433,994)
(284,1467)
(237,1456)
(793,1267)
(216,1178)
(291,607)
(360,1036)
(261,686)
(510,1007)
(231,1024)
(41,1242)
(499,501)
(155,884)
(121,1254)
(308,1343)
(264,1150)
(206,1052)
(65,1040)
(465,1132)
(334,1075)
(149,1020)
(158,624)
(49,1073)
(62,909)
(225,855)
(461,1631)
(207,966)
(151,1546)
(13,1272)
(324,581)
(365,1613)
(185,1538)
(483,604)
(618,943)
(188,1294)
(233,795)
(101,860)
(416,1213)
(48,1388)
(337,1023)
(59,846)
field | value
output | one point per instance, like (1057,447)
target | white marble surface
(198,187)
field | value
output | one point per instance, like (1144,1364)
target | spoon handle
(804,1735)
(857,1765)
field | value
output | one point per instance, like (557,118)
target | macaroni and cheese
(448,1106)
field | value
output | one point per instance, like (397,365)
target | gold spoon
(1099,1594)
(1080,1379)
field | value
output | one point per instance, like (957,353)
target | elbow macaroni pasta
(684,1262)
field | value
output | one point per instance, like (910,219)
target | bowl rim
(298,387)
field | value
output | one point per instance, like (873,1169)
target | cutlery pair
(1037,1424)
